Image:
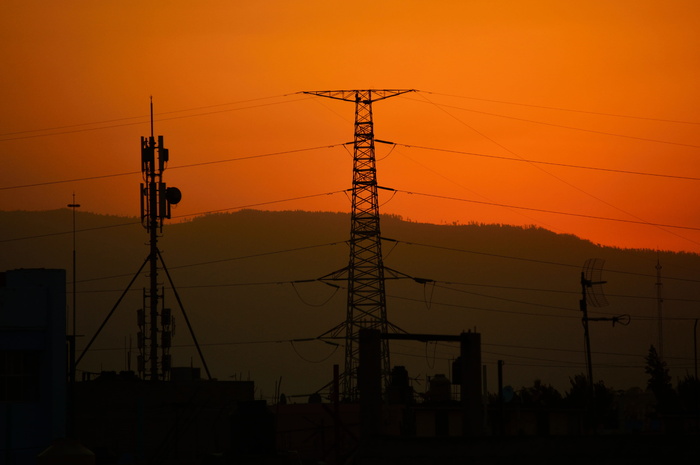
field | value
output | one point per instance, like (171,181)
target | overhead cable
(555,212)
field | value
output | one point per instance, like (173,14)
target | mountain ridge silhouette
(248,282)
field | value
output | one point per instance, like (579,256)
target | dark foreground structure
(119,418)
(554,450)
(124,419)
(32,362)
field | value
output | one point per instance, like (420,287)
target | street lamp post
(71,338)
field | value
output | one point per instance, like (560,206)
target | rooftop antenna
(592,292)
(154,320)
(366,302)
(151,116)
(155,207)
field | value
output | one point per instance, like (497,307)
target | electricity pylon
(366,304)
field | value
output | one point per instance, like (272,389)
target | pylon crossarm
(333,332)
(339,275)
(395,328)
(352,95)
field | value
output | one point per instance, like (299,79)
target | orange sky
(485,69)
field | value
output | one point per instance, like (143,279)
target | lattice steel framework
(366,302)
(154,361)
(154,322)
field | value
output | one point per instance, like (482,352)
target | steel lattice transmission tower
(366,304)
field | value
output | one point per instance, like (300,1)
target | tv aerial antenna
(592,292)
(154,320)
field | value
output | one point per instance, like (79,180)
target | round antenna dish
(173,195)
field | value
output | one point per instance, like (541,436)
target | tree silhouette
(540,396)
(598,402)
(659,382)
(689,394)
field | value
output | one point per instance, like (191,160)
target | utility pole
(585,283)
(366,302)
(591,289)
(72,337)
(695,347)
(73,206)
(659,308)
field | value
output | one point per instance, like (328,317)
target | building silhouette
(32,362)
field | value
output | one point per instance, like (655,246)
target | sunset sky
(517,101)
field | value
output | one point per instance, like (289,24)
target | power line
(67,129)
(483,309)
(250,157)
(224,260)
(261,204)
(546,305)
(230,343)
(645,139)
(508,300)
(427,168)
(141,116)
(559,291)
(63,181)
(240,207)
(616,115)
(340,343)
(447,283)
(228,160)
(557,177)
(343,287)
(530,260)
(541,210)
(96,228)
(565,165)
(452,249)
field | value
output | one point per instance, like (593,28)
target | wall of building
(32,362)
(121,417)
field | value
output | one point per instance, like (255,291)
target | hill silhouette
(247,281)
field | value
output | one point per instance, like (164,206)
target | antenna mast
(592,290)
(366,302)
(156,200)
(154,364)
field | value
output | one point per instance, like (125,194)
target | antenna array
(154,323)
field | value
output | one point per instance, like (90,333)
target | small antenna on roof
(151,117)
(592,290)
(591,279)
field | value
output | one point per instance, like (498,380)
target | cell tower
(156,199)
(154,320)
(366,304)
